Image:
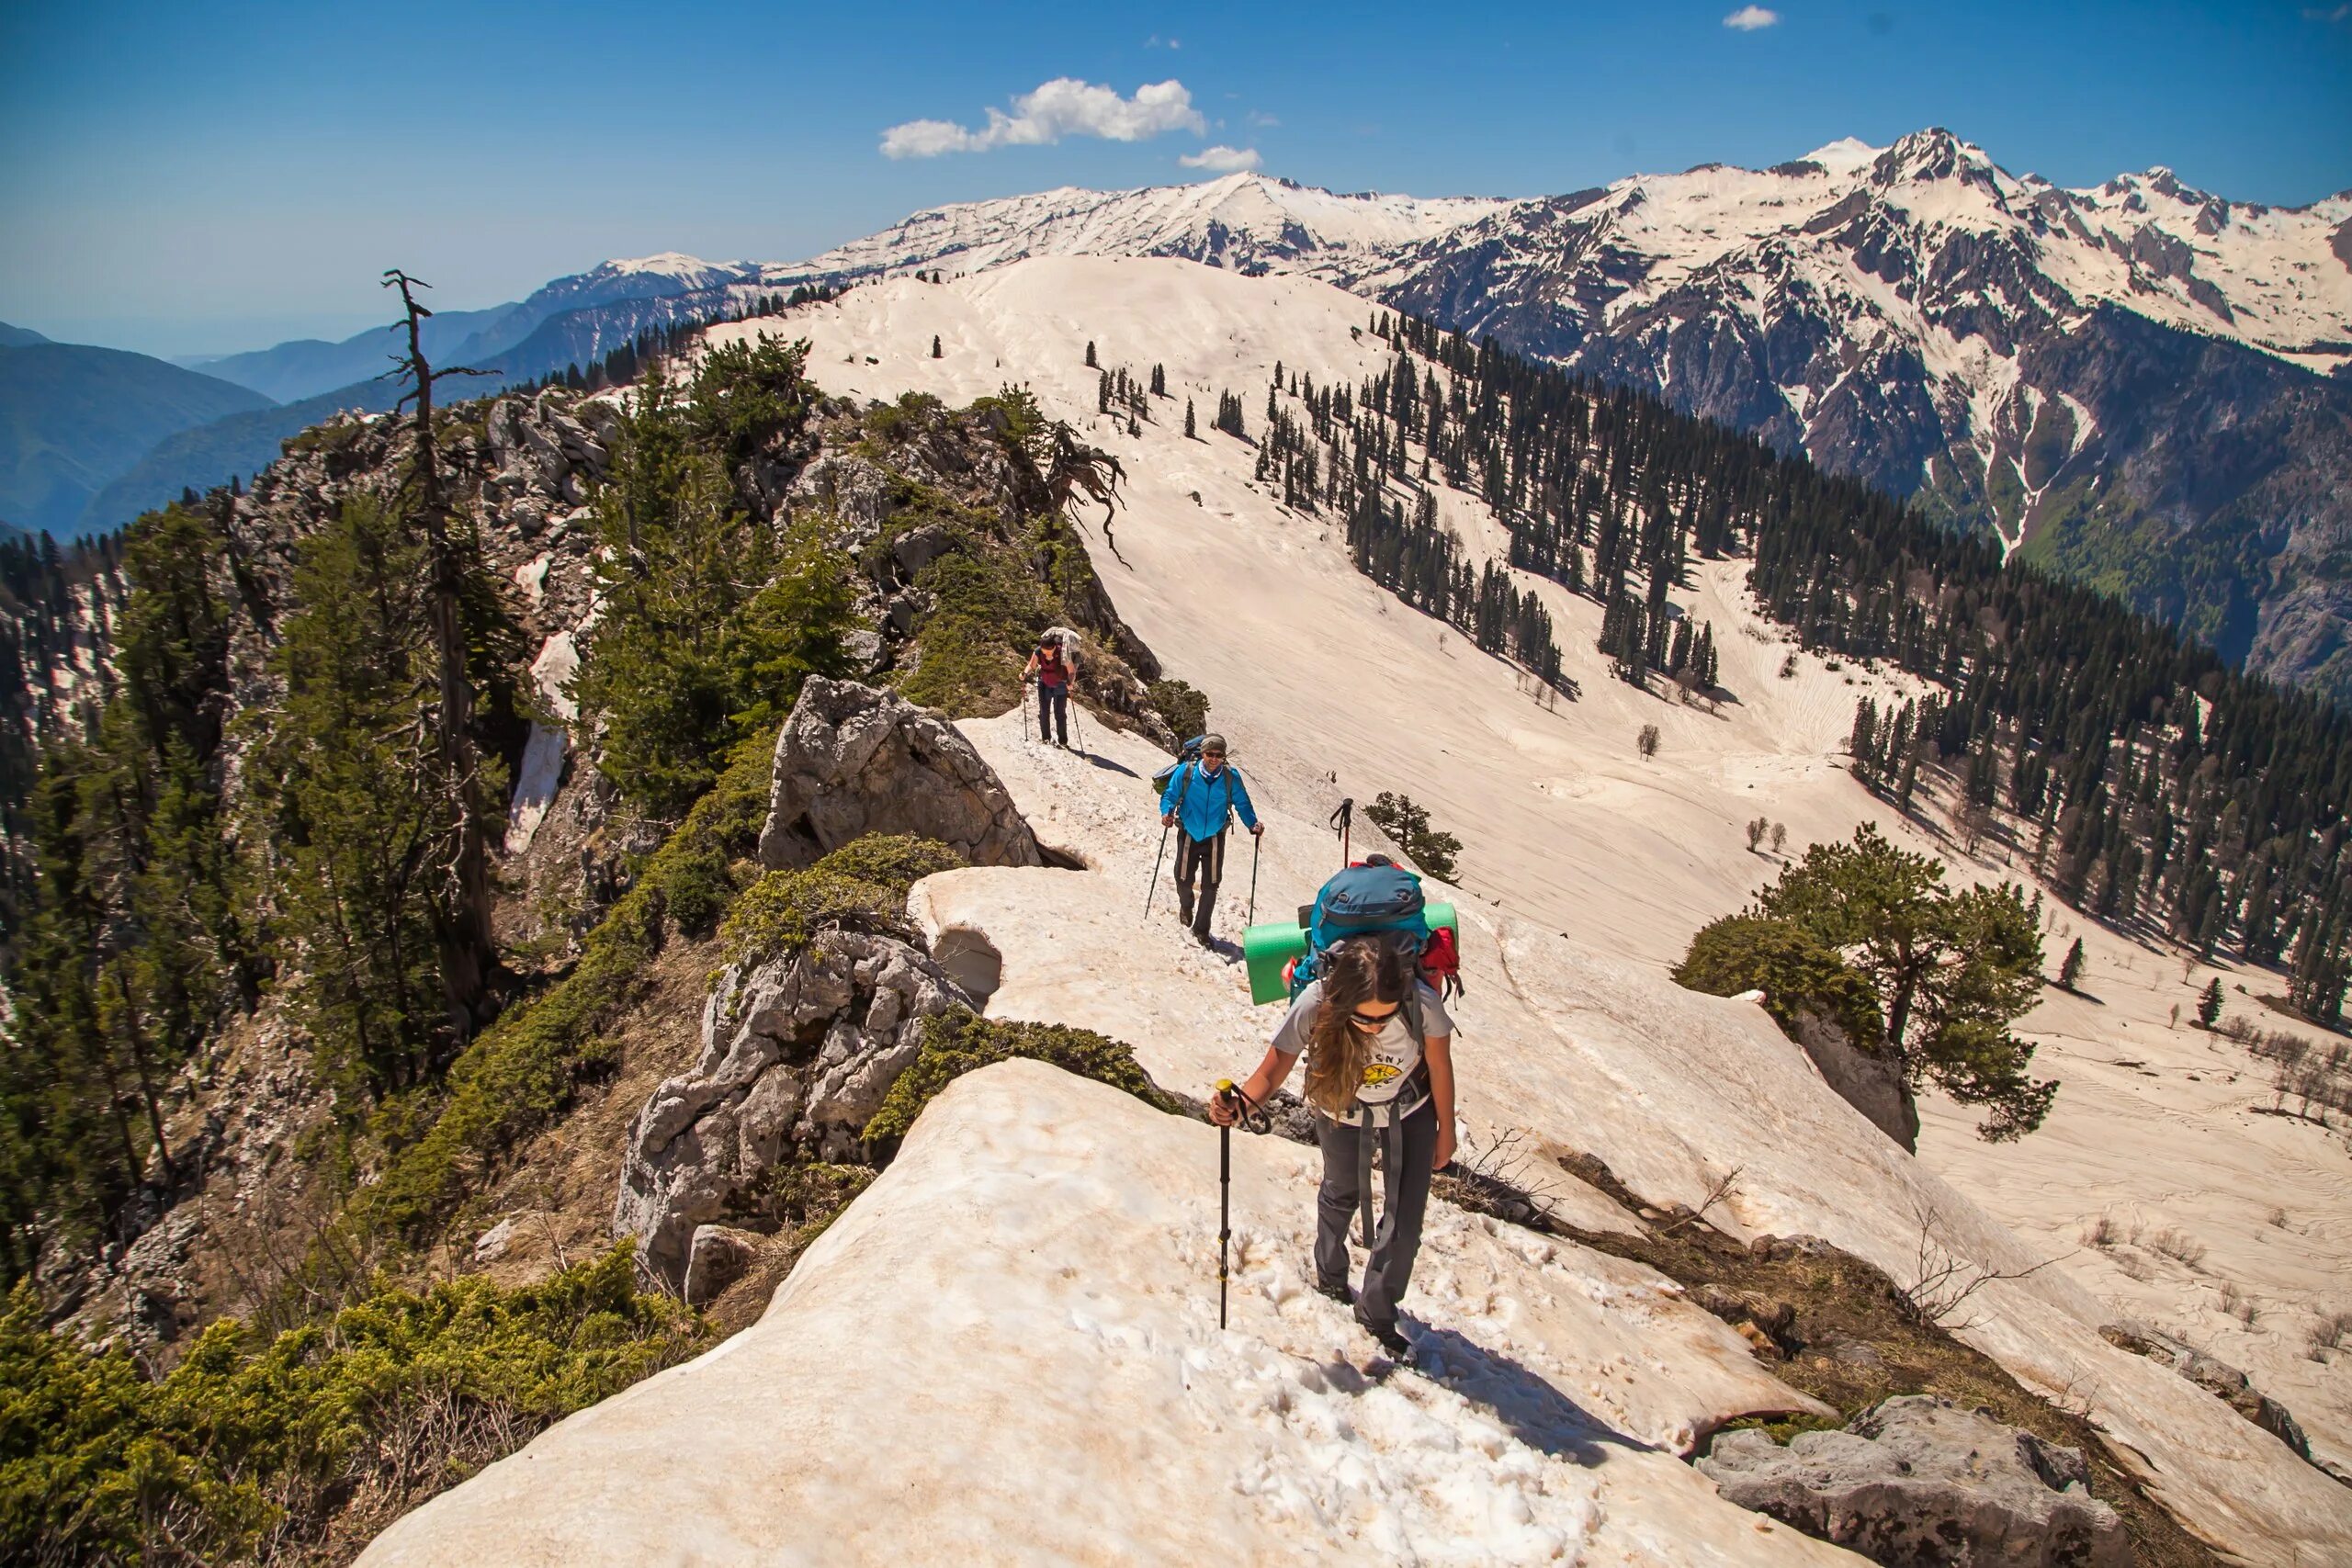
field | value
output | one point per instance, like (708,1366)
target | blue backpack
(1376,896)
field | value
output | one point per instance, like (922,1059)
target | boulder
(855,759)
(1918,1479)
(797,1055)
(718,1256)
(2217,1377)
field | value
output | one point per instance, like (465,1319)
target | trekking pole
(1078,730)
(1257,847)
(1224,1198)
(1153,890)
(1341,821)
(1253,1119)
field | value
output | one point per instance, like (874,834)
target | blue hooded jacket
(1204,808)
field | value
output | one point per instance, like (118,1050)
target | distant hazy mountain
(308,366)
(19,337)
(73,417)
(496,337)
(207,455)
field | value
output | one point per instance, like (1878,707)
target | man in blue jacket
(1199,803)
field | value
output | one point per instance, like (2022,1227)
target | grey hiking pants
(1407,1194)
(1204,859)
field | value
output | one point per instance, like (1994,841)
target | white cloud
(1063,107)
(1223,160)
(1255,117)
(1749,19)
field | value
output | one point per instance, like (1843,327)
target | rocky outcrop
(1917,1480)
(797,1054)
(2224,1381)
(855,759)
(1871,1084)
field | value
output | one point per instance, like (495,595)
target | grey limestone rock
(1918,1479)
(855,759)
(797,1054)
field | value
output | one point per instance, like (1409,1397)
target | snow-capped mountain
(1246,223)
(2141,384)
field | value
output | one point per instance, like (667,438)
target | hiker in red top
(1051,668)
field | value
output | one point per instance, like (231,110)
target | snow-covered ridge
(1249,222)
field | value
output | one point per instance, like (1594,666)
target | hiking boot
(1399,1349)
(1337,1292)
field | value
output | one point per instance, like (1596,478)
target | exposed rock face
(797,1056)
(854,759)
(2217,1377)
(1917,1480)
(1872,1085)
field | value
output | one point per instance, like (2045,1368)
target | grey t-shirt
(1394,1054)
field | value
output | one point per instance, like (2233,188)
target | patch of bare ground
(555,1199)
(1832,1326)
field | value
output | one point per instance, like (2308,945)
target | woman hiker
(1051,668)
(1371,1074)
(1199,803)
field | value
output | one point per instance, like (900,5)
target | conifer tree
(2209,1004)
(934,347)
(1190,433)
(2069,969)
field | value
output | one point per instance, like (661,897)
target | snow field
(1568,830)
(1006,1351)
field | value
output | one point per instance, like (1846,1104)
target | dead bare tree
(1943,1279)
(468,948)
(1722,1189)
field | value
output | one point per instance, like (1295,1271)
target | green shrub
(896,860)
(893,423)
(251,1445)
(1408,824)
(1185,708)
(778,914)
(960,1042)
(1796,974)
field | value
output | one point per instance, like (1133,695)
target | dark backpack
(1188,752)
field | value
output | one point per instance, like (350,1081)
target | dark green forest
(2158,789)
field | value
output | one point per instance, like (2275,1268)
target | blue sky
(189,177)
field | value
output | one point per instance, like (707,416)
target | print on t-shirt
(1394,1052)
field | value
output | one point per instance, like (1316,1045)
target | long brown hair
(1360,969)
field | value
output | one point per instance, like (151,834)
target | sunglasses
(1371,1023)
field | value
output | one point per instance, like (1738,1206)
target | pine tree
(935,345)
(1190,433)
(1089,355)
(2069,970)
(2209,1004)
